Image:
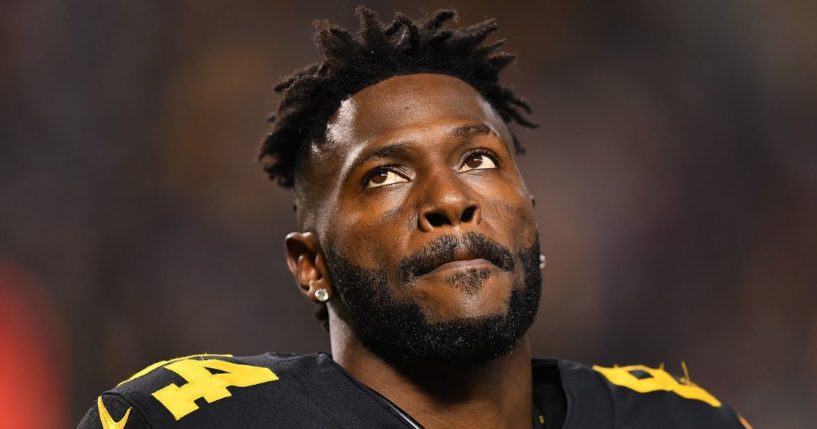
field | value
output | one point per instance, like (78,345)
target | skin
(450,171)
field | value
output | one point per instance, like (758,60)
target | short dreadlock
(350,63)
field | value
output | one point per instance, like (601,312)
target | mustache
(447,248)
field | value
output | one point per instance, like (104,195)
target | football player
(419,246)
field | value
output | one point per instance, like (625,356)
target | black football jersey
(312,391)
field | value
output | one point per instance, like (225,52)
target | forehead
(406,102)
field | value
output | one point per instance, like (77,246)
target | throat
(496,393)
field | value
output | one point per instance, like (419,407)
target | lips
(464,264)
(456,251)
(458,260)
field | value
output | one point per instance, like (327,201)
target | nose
(448,205)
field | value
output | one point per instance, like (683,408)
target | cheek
(514,214)
(375,233)
(506,192)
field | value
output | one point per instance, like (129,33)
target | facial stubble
(399,330)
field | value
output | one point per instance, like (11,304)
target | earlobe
(307,264)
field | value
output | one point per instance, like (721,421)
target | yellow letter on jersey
(657,380)
(201,383)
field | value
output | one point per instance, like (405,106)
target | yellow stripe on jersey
(657,380)
(105,417)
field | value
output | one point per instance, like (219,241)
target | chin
(469,335)
(464,296)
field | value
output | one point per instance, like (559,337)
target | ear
(307,263)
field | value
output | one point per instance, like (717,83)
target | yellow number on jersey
(165,362)
(201,383)
(655,380)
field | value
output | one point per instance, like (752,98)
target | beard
(399,331)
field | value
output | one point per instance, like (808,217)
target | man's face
(425,221)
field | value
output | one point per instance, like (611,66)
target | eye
(383,177)
(477,161)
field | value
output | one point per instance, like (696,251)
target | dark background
(674,171)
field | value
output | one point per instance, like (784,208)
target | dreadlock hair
(350,63)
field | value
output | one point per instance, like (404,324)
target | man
(418,243)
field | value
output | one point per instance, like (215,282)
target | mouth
(449,253)
(461,265)
(459,260)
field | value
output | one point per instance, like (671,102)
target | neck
(496,393)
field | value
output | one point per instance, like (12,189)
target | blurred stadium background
(674,168)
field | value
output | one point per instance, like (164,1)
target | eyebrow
(470,130)
(395,150)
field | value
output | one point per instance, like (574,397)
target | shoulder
(204,390)
(641,396)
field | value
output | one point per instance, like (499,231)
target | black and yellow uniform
(312,391)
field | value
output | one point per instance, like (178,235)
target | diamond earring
(322,295)
(542,262)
